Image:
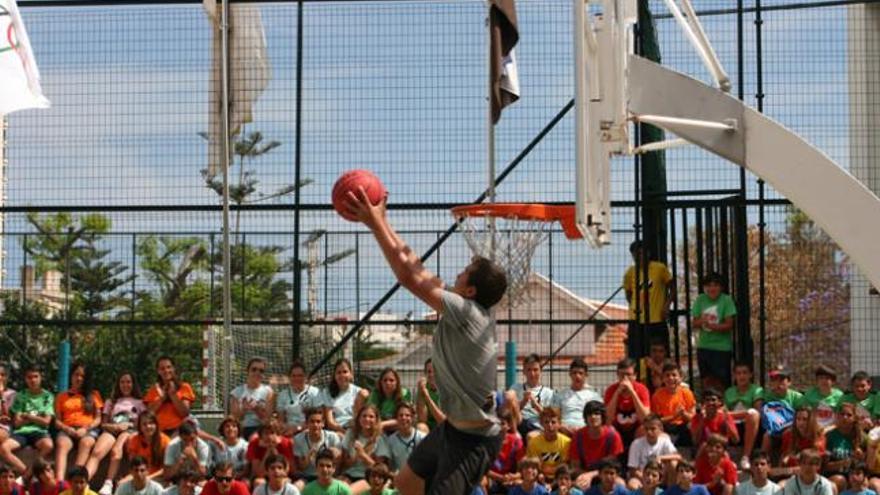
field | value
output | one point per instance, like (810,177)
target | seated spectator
(293,400)
(532,396)
(230,447)
(845,442)
(652,478)
(223,482)
(571,400)
(655,447)
(77,419)
(386,397)
(186,483)
(675,404)
(780,389)
(805,433)
(504,472)
(628,402)
(140,482)
(759,483)
(872,459)
(861,395)
(267,442)
(609,474)
(593,444)
(427,400)
(713,313)
(149,443)
(563,483)
(309,442)
(119,422)
(252,401)
(8,486)
(7,398)
(651,367)
(378,476)
(550,447)
(325,483)
(32,414)
(529,483)
(43,480)
(714,467)
(402,442)
(79,482)
(807,481)
(824,397)
(363,446)
(170,398)
(713,419)
(187,451)
(858,480)
(742,401)
(340,397)
(276,468)
(684,481)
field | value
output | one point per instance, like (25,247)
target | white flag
(19,77)
(249,73)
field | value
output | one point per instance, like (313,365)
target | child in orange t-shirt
(77,418)
(149,443)
(675,404)
(170,398)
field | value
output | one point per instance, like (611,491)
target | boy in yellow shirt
(549,446)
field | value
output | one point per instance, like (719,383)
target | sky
(397,87)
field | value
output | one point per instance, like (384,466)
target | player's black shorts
(451,461)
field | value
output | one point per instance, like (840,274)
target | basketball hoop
(509,233)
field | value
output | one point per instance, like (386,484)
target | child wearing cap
(780,389)
(824,397)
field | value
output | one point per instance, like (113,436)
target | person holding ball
(456,454)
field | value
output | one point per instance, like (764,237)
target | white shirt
(251,397)
(749,488)
(640,452)
(821,486)
(293,404)
(572,402)
(543,395)
(287,489)
(401,447)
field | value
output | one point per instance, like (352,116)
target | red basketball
(350,181)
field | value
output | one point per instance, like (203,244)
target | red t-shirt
(705,472)
(37,488)
(626,418)
(256,452)
(722,424)
(802,444)
(512,451)
(589,451)
(236,488)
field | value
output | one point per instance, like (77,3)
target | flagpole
(227,263)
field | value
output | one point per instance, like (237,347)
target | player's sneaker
(106,488)
(744,464)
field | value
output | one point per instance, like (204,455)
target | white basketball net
(509,242)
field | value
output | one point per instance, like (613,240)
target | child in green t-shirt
(32,413)
(712,313)
(860,394)
(824,397)
(741,401)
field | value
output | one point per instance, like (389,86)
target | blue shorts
(29,439)
(93,433)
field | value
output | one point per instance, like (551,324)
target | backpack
(776,416)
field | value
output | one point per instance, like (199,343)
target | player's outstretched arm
(405,264)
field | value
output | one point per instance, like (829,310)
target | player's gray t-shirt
(465,356)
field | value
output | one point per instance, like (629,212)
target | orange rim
(564,214)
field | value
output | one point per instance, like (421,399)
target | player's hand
(365,212)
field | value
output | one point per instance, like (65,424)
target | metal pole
(227,149)
(762,289)
(297,198)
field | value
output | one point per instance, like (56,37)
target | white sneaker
(107,488)
(19,481)
(744,464)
